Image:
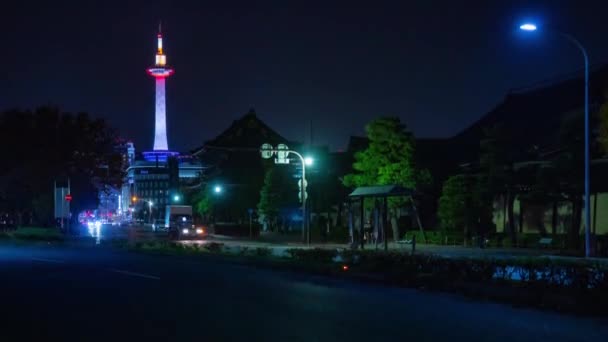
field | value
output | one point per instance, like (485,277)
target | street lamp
(150,204)
(217,189)
(528,27)
(176,198)
(531,27)
(282,152)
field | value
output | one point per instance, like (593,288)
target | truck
(179,223)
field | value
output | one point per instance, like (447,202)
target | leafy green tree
(496,177)
(457,204)
(204,202)
(388,159)
(277,196)
(270,198)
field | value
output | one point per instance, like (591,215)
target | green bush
(263,251)
(529,240)
(213,247)
(435,237)
(453,238)
(40,234)
(338,234)
(418,234)
(314,255)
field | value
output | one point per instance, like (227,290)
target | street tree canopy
(388,159)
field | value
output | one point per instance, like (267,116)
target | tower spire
(160,71)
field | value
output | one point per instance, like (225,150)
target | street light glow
(176,198)
(308,161)
(217,189)
(528,27)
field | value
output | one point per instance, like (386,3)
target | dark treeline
(46,145)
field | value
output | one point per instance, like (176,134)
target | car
(183,232)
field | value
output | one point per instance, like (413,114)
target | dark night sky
(439,65)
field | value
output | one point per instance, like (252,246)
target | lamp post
(150,204)
(267,151)
(217,191)
(531,27)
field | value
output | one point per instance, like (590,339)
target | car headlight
(199,231)
(185,231)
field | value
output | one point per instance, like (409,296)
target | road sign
(282,153)
(266,151)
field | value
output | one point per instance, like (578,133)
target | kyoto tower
(160,71)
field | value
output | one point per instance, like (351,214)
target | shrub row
(541,272)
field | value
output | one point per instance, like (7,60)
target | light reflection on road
(95,230)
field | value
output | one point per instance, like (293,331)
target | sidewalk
(439,250)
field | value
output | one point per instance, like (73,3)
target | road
(68,293)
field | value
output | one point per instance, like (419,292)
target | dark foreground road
(98,294)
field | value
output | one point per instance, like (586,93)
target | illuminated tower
(160,71)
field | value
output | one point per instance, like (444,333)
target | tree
(46,144)
(388,159)
(496,176)
(204,202)
(277,197)
(458,206)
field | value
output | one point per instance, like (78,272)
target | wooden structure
(382,193)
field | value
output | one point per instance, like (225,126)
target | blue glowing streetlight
(528,27)
(176,198)
(531,27)
(218,189)
(308,161)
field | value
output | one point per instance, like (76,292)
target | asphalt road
(62,293)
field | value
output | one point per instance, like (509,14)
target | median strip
(53,261)
(134,274)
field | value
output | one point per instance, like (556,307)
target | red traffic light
(68,197)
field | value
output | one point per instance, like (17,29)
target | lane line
(53,261)
(134,274)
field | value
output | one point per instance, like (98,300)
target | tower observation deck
(160,71)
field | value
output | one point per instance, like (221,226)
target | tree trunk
(339,216)
(395,227)
(521,216)
(575,228)
(554,219)
(511,217)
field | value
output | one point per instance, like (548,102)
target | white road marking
(53,261)
(134,274)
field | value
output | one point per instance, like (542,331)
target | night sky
(439,65)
